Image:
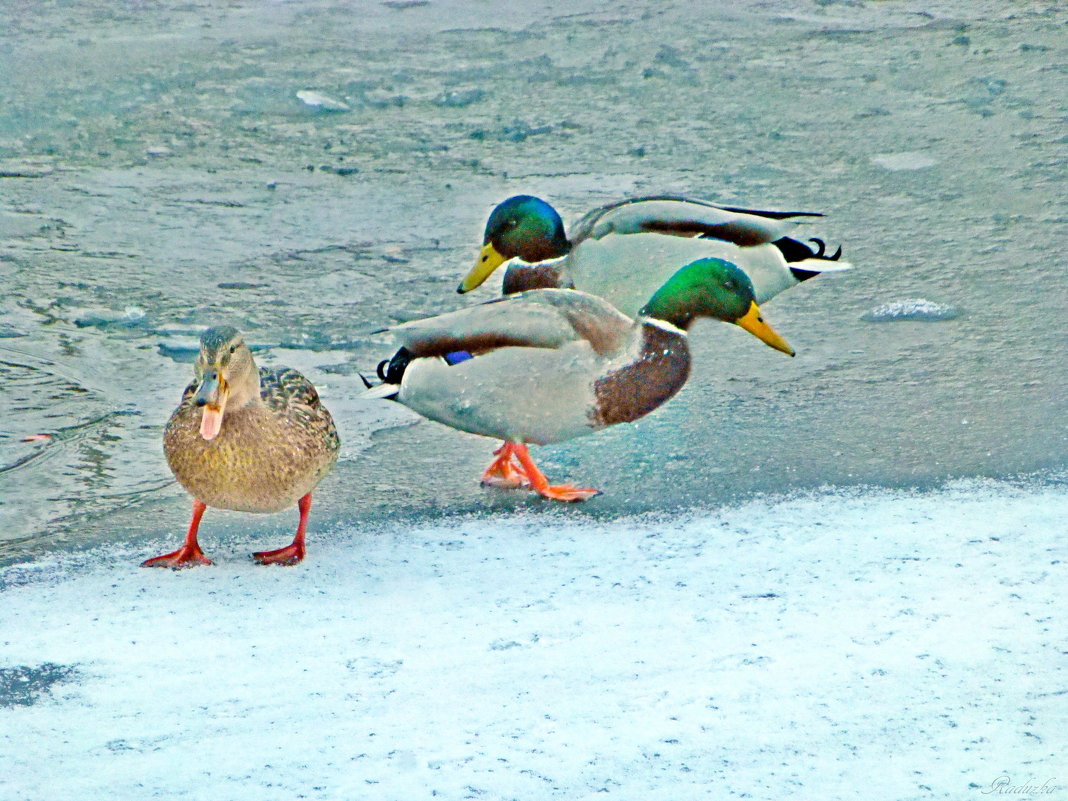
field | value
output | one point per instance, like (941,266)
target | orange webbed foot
(568,493)
(184,557)
(189,555)
(290,555)
(294,552)
(503,472)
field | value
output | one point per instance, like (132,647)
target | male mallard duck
(624,251)
(551,364)
(248,439)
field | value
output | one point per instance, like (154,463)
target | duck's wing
(679,216)
(287,393)
(543,318)
(284,387)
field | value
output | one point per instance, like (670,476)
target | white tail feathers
(388,391)
(821,265)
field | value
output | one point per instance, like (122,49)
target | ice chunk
(459,98)
(320,101)
(910,160)
(915,309)
(183,351)
(130,317)
(8,331)
(517,131)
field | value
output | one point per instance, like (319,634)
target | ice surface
(843,644)
(312,229)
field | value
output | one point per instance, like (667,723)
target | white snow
(843,644)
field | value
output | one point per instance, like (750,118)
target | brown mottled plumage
(267,455)
(247,439)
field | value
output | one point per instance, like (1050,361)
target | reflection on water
(59,442)
(166,175)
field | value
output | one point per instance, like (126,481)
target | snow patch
(896,644)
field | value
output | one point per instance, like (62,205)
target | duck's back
(266,456)
(625,251)
(627,270)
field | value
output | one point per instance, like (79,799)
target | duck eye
(233,349)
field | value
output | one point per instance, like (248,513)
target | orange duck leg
(189,555)
(294,552)
(503,472)
(540,484)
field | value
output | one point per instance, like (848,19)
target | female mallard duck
(248,439)
(623,251)
(548,365)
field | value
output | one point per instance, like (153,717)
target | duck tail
(806,261)
(384,391)
(391,371)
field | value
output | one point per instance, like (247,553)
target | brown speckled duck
(247,439)
(548,365)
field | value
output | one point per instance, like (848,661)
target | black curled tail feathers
(793,250)
(391,370)
(821,253)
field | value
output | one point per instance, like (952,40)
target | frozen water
(25,685)
(311,230)
(460,98)
(904,645)
(130,317)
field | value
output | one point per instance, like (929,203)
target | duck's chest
(648,379)
(259,462)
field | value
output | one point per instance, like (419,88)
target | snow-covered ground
(846,644)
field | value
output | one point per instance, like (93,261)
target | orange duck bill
(211,396)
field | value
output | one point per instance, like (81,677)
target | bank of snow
(843,644)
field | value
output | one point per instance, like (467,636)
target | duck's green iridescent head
(712,288)
(522,227)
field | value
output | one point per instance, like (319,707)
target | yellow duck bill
(489,259)
(754,323)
